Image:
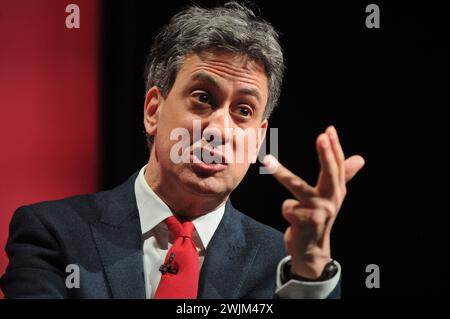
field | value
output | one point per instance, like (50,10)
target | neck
(185,202)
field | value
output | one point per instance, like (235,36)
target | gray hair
(232,27)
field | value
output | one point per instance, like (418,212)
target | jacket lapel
(118,239)
(117,235)
(228,258)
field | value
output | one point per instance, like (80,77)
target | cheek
(246,148)
(238,171)
(169,120)
(167,147)
(175,118)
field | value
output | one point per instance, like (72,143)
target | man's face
(224,94)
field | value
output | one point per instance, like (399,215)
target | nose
(217,128)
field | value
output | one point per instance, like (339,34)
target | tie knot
(180,228)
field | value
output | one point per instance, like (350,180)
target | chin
(207,186)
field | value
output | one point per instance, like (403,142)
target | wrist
(311,269)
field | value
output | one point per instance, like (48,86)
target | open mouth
(209,164)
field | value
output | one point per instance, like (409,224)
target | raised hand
(313,211)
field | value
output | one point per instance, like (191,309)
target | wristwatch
(328,272)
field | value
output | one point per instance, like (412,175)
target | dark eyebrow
(252,92)
(202,76)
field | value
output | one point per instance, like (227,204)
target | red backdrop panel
(49,104)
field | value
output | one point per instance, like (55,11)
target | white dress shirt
(157,241)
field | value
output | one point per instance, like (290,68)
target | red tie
(180,272)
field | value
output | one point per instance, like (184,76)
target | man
(170,230)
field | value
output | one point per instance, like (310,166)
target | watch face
(329,271)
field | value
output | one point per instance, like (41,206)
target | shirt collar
(153,211)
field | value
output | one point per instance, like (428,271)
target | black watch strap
(329,271)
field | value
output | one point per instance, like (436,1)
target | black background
(385,90)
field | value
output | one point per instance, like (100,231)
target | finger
(297,186)
(288,206)
(352,166)
(329,175)
(306,217)
(294,213)
(338,152)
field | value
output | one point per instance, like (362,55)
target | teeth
(213,163)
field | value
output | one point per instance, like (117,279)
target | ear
(153,101)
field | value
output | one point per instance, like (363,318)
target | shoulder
(83,206)
(56,219)
(75,210)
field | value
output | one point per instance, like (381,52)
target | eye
(245,111)
(203,97)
